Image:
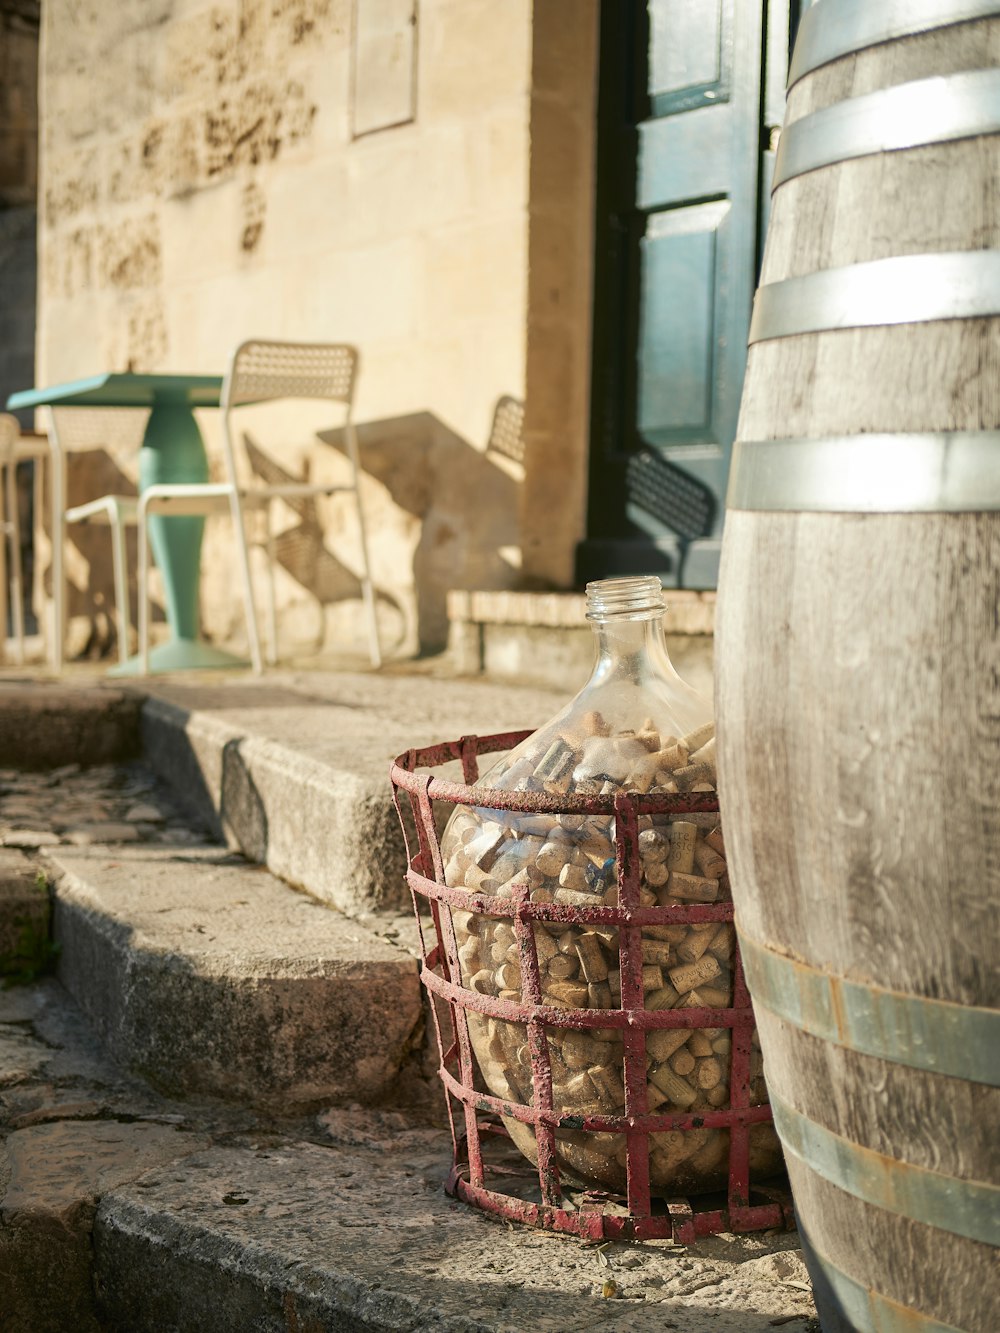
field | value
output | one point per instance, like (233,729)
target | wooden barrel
(858,660)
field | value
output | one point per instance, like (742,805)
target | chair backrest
(264,370)
(10,429)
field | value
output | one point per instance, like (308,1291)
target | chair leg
(4,530)
(367,588)
(118,559)
(17,574)
(272,604)
(253,635)
(57,482)
(143,579)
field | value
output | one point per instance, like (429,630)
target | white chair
(74,430)
(263,371)
(14,448)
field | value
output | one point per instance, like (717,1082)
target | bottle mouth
(639,598)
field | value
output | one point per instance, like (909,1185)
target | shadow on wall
(465,500)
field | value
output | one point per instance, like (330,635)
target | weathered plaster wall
(199,184)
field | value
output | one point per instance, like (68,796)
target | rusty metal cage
(475,1116)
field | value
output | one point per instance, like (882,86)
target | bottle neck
(631,649)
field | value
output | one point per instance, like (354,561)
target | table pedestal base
(181,655)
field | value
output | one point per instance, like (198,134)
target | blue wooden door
(684,144)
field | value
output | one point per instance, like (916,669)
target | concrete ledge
(47,725)
(209,977)
(543,638)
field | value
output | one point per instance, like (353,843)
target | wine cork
(694,740)
(700,1044)
(652,978)
(574,898)
(468,956)
(682,1062)
(692,775)
(715,840)
(689,975)
(678,1091)
(596,845)
(594,724)
(672,934)
(508,976)
(708,861)
(485,849)
(482,982)
(656,952)
(671,757)
(709,1073)
(579,1050)
(593,963)
(579,1094)
(692,887)
(661,1043)
(573,877)
(664,998)
(653,845)
(654,1097)
(609,1085)
(706,754)
(478,880)
(562,966)
(565,994)
(711,1155)
(656,872)
(555,768)
(699,937)
(714,997)
(570,822)
(641,778)
(545,947)
(682,836)
(599,995)
(718,1096)
(720,1044)
(722,942)
(551,858)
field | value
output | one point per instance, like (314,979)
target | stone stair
(218,1116)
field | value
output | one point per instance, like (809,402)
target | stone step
(211,977)
(294,771)
(44,724)
(360,1236)
(125,1211)
(24,916)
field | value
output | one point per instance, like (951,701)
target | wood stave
(781,773)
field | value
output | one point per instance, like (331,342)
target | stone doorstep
(213,978)
(297,1236)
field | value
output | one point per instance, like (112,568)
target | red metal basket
(601,1215)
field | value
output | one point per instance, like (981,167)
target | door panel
(683,152)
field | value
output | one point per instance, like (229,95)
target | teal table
(172,451)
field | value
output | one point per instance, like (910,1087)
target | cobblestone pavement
(107,803)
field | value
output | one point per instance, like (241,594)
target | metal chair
(263,371)
(77,430)
(14,448)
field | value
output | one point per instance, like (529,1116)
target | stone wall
(202,182)
(18,186)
